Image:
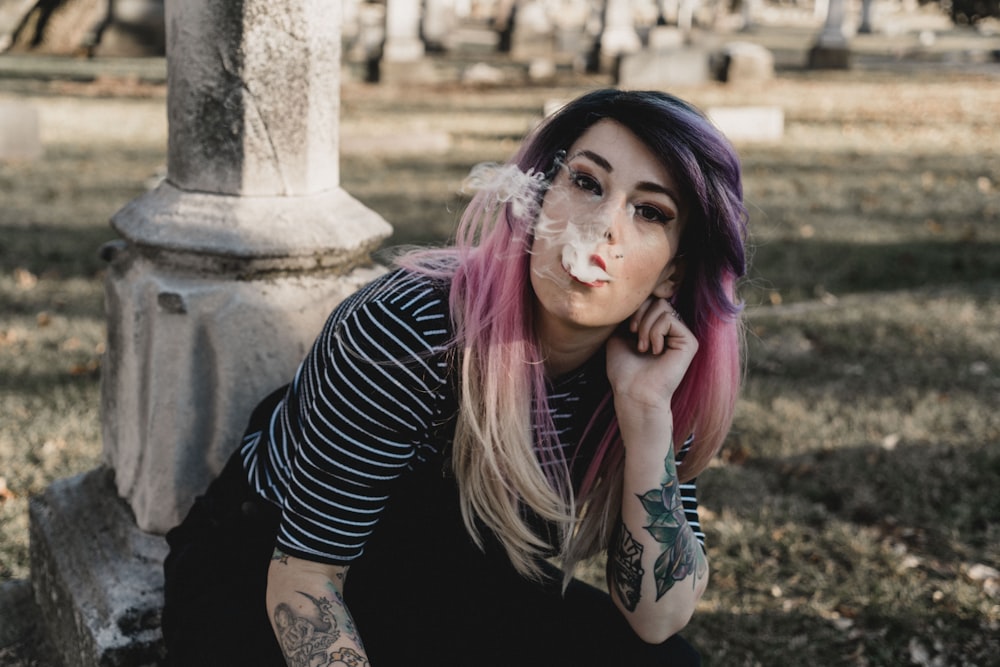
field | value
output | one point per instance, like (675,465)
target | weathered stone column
(232,264)
(223,277)
(831,50)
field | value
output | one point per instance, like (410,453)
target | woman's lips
(585,268)
(585,279)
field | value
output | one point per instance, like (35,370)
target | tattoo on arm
(625,566)
(306,638)
(681,554)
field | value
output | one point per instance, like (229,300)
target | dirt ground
(876,226)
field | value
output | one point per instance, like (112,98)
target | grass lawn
(854,515)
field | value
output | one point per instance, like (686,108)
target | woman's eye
(652,214)
(584,182)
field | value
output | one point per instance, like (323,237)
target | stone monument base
(97,578)
(829,57)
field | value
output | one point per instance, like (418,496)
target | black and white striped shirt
(373,399)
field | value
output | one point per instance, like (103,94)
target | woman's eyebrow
(645,186)
(595,158)
(648,186)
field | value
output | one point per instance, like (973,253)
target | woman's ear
(670,279)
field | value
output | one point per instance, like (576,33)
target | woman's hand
(646,369)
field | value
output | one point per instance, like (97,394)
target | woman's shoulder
(402,310)
(408,290)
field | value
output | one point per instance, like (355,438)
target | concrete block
(744,62)
(17,611)
(19,131)
(662,38)
(97,578)
(190,354)
(829,57)
(749,123)
(664,69)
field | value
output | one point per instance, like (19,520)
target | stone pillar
(831,50)
(230,266)
(223,277)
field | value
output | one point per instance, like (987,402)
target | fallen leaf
(24,279)
(5,493)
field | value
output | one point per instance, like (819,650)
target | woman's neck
(565,347)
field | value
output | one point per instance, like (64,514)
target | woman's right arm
(305,603)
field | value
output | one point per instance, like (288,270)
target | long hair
(504,434)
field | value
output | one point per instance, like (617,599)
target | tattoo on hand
(625,567)
(681,555)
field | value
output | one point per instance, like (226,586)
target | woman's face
(607,233)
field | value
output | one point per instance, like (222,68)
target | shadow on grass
(872,638)
(807,269)
(59,251)
(855,556)
(937,498)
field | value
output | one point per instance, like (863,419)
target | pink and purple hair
(492,296)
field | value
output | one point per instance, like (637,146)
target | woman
(546,389)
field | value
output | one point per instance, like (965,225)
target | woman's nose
(615,214)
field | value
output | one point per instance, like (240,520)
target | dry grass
(854,508)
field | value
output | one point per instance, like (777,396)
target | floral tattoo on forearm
(681,554)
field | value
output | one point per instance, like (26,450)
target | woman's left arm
(657,570)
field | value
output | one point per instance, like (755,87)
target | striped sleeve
(689,497)
(361,410)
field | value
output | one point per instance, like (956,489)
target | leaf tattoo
(669,527)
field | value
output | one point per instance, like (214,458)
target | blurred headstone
(831,50)
(438,22)
(403,53)
(402,31)
(744,62)
(533,33)
(865,26)
(758,124)
(619,38)
(665,68)
(665,38)
(19,131)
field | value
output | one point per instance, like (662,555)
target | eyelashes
(588,184)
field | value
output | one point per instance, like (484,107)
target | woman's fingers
(652,324)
